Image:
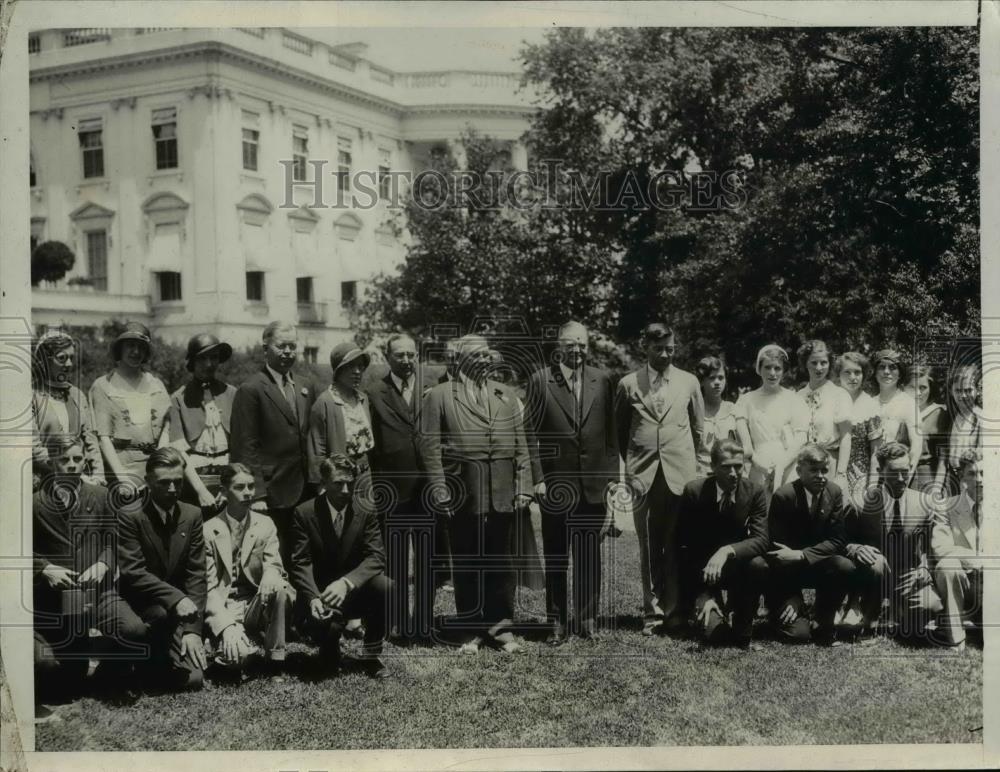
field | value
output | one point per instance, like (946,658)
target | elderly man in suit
(659,417)
(723,527)
(569,423)
(806,524)
(397,473)
(338,565)
(270,429)
(958,573)
(161,555)
(888,541)
(473,438)
(249,599)
(73,537)
(201,417)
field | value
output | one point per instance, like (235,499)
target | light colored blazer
(647,440)
(955,533)
(258,555)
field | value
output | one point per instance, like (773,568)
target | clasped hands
(331,598)
(60,578)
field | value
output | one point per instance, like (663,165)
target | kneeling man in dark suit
(338,565)
(161,555)
(806,522)
(723,527)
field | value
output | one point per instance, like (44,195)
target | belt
(209,455)
(145,447)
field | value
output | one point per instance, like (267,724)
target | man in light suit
(888,540)
(270,429)
(958,573)
(397,470)
(248,593)
(806,525)
(338,565)
(473,438)
(723,527)
(659,415)
(569,423)
(161,555)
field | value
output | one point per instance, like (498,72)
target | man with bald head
(477,464)
(569,422)
(270,427)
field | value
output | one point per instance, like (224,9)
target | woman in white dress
(852,369)
(897,408)
(771,422)
(830,409)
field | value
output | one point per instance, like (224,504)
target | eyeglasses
(63,357)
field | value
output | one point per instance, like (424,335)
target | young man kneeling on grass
(249,598)
(806,524)
(338,565)
(723,527)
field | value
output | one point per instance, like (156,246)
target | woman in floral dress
(896,407)
(852,369)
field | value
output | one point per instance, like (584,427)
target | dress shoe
(471,646)
(375,668)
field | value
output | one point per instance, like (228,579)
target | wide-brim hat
(132,331)
(202,344)
(345,353)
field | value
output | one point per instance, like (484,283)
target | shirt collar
(568,373)
(398,381)
(236,525)
(164,515)
(721,494)
(969,501)
(809,497)
(278,377)
(653,375)
(467,381)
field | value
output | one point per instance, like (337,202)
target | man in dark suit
(399,479)
(474,451)
(270,429)
(806,524)
(888,541)
(161,555)
(723,527)
(74,557)
(338,565)
(569,423)
(659,417)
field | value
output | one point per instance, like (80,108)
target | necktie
(237,543)
(726,504)
(896,524)
(814,509)
(338,523)
(574,388)
(407,390)
(289,388)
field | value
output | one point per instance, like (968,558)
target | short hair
(771,351)
(809,348)
(726,448)
(925,371)
(657,331)
(274,328)
(852,356)
(893,356)
(337,462)
(57,444)
(707,366)
(968,458)
(571,325)
(889,452)
(958,369)
(49,344)
(229,472)
(165,458)
(397,336)
(812,453)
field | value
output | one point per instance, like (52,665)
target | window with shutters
(97,259)
(384,168)
(300,151)
(344,163)
(251,140)
(91,134)
(165,137)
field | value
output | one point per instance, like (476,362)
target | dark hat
(345,353)
(202,343)
(132,331)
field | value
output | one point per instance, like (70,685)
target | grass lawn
(623,690)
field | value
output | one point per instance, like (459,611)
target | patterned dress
(829,405)
(865,438)
(720,426)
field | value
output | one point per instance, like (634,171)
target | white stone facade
(178,242)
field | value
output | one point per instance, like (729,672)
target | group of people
(208,525)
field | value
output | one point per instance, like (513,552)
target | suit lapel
(561,393)
(249,539)
(643,385)
(154,528)
(352,522)
(461,396)
(224,543)
(394,400)
(277,396)
(588,390)
(178,537)
(967,524)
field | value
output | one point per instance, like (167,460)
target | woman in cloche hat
(200,414)
(340,421)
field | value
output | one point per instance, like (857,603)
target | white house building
(156,156)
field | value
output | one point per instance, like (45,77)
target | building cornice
(213,51)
